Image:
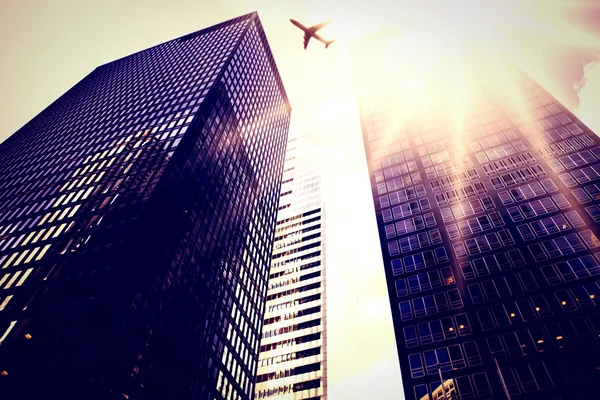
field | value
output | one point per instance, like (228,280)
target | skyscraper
(293,353)
(137,218)
(486,194)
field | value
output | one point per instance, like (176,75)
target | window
(577,159)
(409,225)
(421,392)
(533,377)
(551,276)
(496,347)
(386,215)
(550,225)
(454,180)
(589,238)
(518,176)
(425,334)
(593,191)
(583,330)
(406,195)
(526,192)
(503,150)
(491,264)
(431,304)
(594,212)
(508,163)
(405,311)
(397,268)
(587,174)
(424,259)
(427,281)
(384,201)
(416,365)
(484,243)
(444,359)
(472,354)
(515,256)
(459,250)
(528,281)
(467,270)
(473,207)
(568,180)
(463,324)
(525,232)
(556,165)
(410,336)
(501,315)
(401,289)
(475,293)
(561,201)
(441,255)
(390,232)
(510,380)
(515,214)
(400,169)
(429,219)
(538,208)
(540,305)
(505,197)
(480,224)
(485,319)
(574,218)
(405,210)
(556,334)
(557,247)
(414,242)
(446,214)
(454,298)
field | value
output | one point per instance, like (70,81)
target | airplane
(312,32)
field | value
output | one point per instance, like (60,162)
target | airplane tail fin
(328,43)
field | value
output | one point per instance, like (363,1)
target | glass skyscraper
(136,225)
(293,353)
(486,193)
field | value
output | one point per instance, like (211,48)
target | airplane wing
(319,26)
(320,39)
(306,40)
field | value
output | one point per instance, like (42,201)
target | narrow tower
(293,352)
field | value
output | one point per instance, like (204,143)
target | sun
(448,54)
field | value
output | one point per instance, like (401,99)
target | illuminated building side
(486,193)
(293,356)
(136,225)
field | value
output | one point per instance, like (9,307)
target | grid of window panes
(293,353)
(136,224)
(490,243)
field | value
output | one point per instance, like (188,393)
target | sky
(48,46)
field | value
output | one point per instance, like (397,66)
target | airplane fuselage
(299,25)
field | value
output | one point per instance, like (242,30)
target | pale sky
(48,46)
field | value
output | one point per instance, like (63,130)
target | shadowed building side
(143,202)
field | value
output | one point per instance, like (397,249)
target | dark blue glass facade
(136,225)
(489,237)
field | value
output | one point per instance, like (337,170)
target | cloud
(588,91)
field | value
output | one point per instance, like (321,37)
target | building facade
(486,193)
(136,221)
(293,351)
